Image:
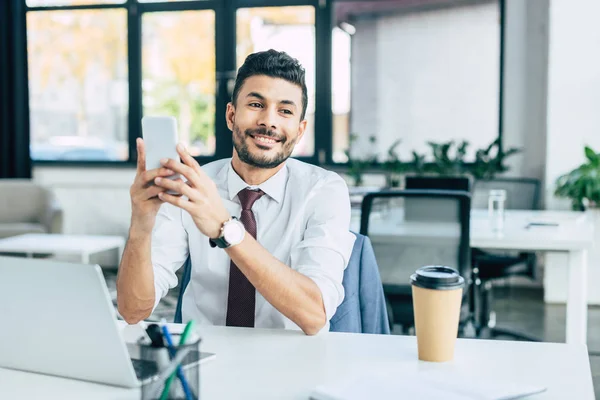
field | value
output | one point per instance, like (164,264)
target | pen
(529,225)
(179,371)
(186,332)
(168,370)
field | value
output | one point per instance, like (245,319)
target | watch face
(233,232)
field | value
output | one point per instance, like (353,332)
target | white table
(574,235)
(81,246)
(277,364)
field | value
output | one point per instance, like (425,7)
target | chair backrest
(363,309)
(185,279)
(414,228)
(22,200)
(521,193)
(459,183)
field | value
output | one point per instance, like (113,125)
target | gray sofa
(27,207)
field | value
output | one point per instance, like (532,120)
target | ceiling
(347,10)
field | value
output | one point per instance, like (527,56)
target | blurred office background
(484,88)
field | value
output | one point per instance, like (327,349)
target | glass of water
(496,204)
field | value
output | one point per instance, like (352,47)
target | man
(281,264)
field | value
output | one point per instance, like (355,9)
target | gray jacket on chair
(363,309)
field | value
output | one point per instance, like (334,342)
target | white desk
(574,235)
(277,364)
(81,246)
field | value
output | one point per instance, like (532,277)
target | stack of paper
(427,385)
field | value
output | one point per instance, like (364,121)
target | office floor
(518,309)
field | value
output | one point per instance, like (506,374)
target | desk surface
(58,243)
(575,230)
(277,364)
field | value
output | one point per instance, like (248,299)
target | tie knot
(248,197)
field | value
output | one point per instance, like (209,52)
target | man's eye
(287,112)
(255,105)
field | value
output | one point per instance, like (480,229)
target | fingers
(153,191)
(188,159)
(183,169)
(177,201)
(150,175)
(141,156)
(177,185)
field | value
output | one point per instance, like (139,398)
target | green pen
(186,332)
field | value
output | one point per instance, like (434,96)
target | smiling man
(268,236)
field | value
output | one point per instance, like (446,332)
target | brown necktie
(242,295)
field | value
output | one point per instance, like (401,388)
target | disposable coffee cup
(437,296)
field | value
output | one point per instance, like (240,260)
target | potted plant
(490,161)
(582,185)
(446,160)
(393,167)
(357,165)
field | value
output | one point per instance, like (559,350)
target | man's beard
(240,143)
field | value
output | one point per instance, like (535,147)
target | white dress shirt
(303,220)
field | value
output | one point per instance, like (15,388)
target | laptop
(58,319)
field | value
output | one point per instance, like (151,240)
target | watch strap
(218,242)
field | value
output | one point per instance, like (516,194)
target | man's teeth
(265,140)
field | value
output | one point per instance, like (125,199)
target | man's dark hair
(276,64)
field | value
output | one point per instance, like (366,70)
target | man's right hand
(144,195)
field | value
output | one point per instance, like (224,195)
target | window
(391,70)
(289,29)
(178,73)
(78,84)
(414,74)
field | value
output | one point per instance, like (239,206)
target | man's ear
(230,115)
(301,129)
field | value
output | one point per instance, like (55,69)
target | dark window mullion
(75,7)
(179,6)
(502,5)
(134,62)
(323,81)
(20,165)
(225,69)
(274,3)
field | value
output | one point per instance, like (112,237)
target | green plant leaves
(582,185)
(448,158)
(592,156)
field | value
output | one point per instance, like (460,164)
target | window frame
(225,57)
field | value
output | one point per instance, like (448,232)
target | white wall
(573,116)
(431,75)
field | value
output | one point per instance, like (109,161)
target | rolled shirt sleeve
(169,249)
(325,250)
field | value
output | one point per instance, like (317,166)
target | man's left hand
(202,200)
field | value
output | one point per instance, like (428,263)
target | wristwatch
(232,233)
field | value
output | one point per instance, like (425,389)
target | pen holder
(187,388)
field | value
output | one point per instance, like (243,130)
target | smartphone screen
(160,141)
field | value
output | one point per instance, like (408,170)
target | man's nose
(268,119)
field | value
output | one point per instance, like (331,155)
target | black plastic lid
(437,277)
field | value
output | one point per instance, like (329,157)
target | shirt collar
(274,187)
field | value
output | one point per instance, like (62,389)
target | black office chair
(523,194)
(421,182)
(413,228)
